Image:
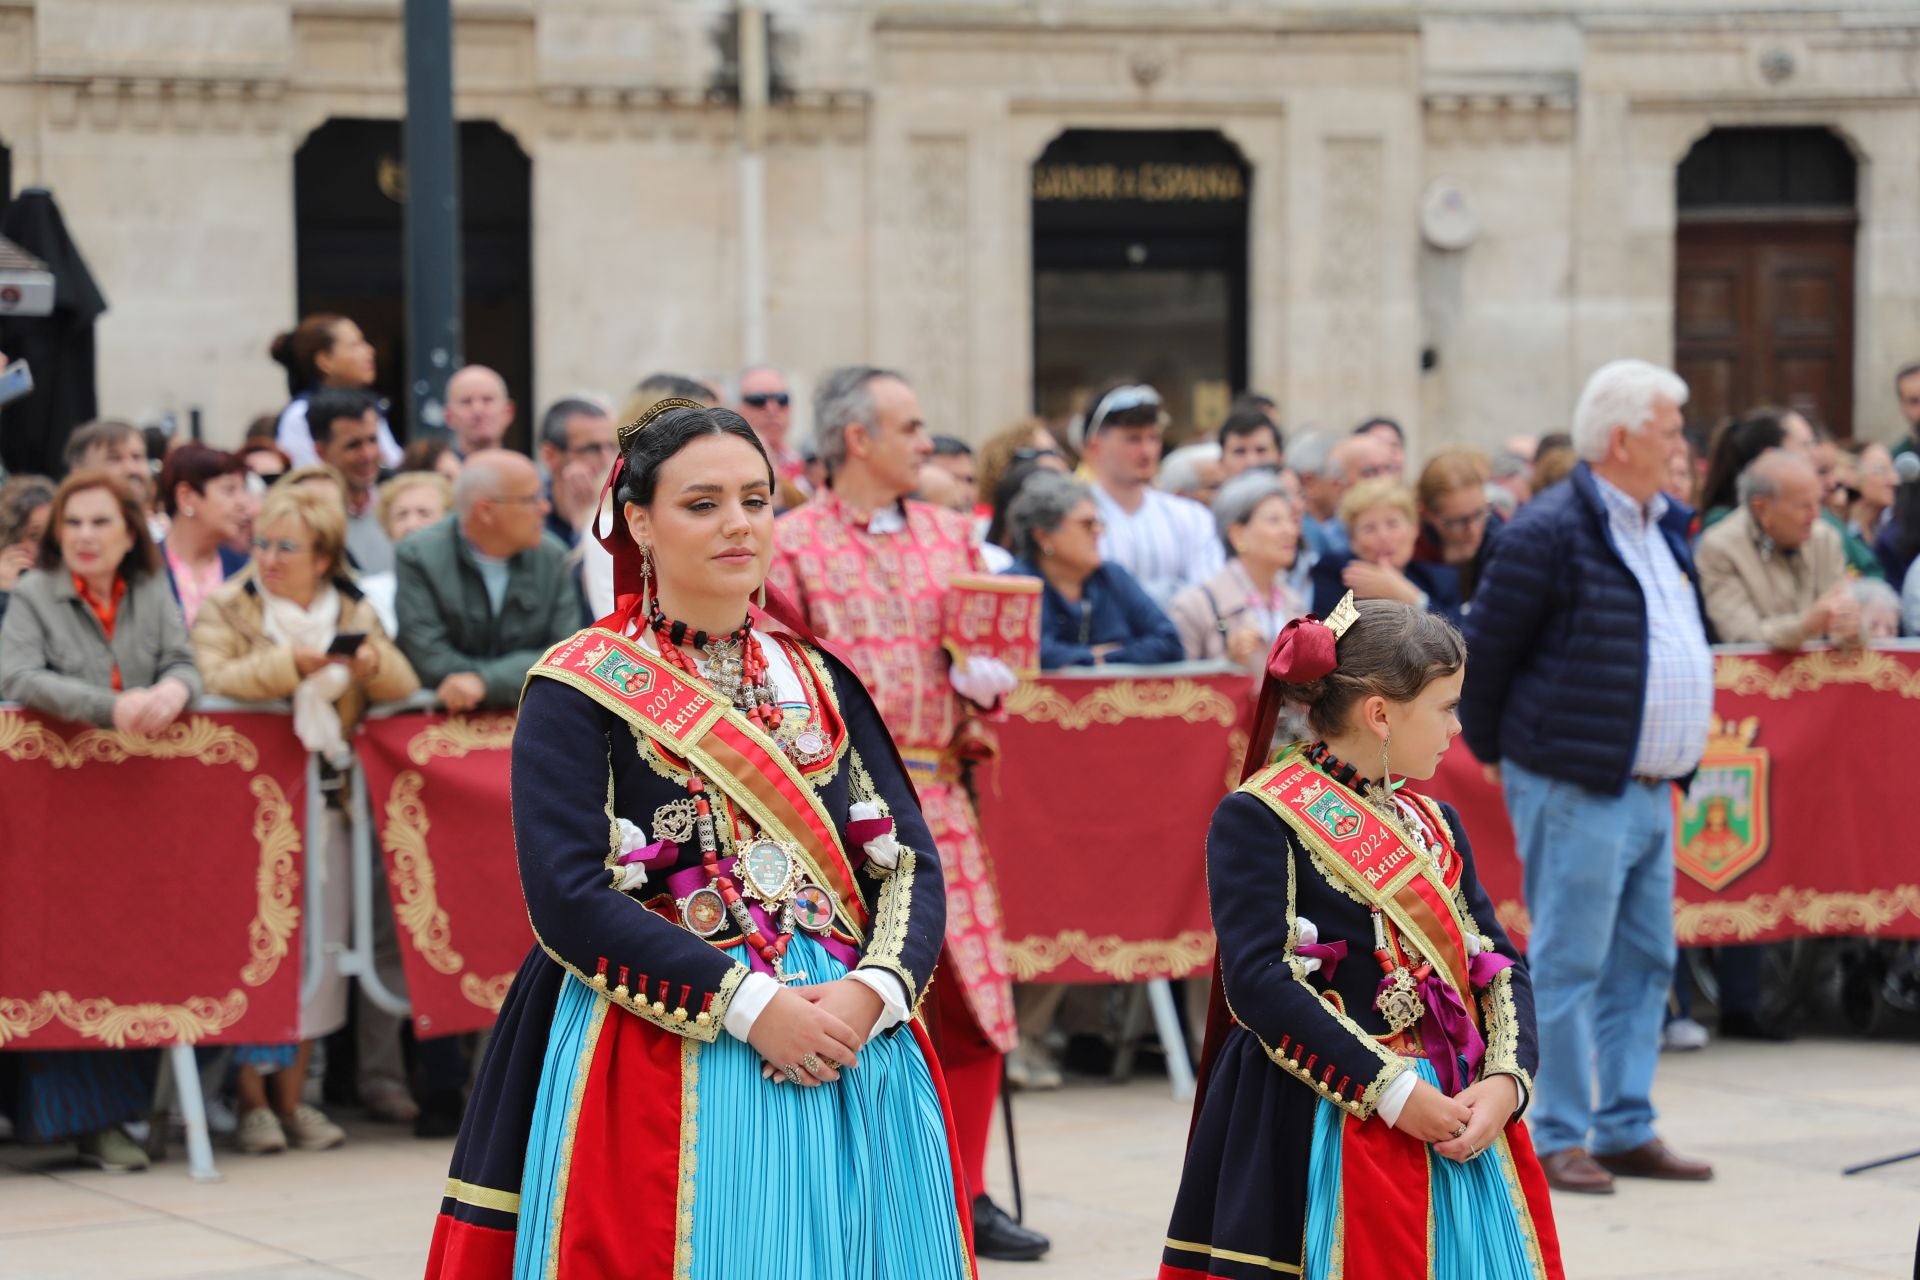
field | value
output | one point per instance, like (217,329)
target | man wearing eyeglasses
(767,404)
(577,450)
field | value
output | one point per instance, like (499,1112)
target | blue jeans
(1598,877)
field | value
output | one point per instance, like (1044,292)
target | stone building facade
(1451,214)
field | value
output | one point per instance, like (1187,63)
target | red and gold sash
(1356,844)
(684,717)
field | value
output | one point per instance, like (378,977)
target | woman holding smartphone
(293,625)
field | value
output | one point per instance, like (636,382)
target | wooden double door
(1763,314)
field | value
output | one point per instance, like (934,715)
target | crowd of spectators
(322,565)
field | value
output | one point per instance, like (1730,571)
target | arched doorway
(1763,294)
(349,196)
(1140,269)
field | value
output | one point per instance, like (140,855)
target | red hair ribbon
(1303,652)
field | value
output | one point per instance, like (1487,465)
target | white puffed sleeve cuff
(882,851)
(893,997)
(1393,1098)
(756,991)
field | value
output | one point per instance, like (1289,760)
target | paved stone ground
(1101,1165)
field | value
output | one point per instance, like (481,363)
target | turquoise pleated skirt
(1476,1230)
(846,1181)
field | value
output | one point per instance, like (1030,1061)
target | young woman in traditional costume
(709,1065)
(1372,1040)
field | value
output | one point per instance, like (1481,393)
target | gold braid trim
(691,1029)
(860,784)
(1503,1035)
(689,1160)
(276,882)
(891,916)
(1367,1101)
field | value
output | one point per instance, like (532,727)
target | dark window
(1767,169)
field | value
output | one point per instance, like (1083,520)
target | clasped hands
(1461,1127)
(808,1034)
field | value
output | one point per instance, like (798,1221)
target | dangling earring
(646,571)
(760,598)
(1386,769)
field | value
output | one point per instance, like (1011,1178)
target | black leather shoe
(1739,1025)
(440,1113)
(997,1236)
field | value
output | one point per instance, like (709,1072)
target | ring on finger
(811,1063)
(792,1073)
(1458,1130)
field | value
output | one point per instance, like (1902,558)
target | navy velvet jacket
(1557,640)
(1326,1034)
(577,767)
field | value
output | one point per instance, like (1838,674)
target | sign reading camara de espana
(1147,182)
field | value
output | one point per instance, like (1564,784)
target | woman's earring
(187,512)
(1386,769)
(646,571)
(760,598)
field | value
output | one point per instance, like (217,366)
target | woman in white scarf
(266,635)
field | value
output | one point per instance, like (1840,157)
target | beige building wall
(897,204)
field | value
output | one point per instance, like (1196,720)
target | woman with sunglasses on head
(708,1065)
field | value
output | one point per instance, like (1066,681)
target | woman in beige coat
(267,635)
(1237,613)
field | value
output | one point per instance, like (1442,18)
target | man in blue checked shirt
(1589,694)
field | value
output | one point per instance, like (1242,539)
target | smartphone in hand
(346,644)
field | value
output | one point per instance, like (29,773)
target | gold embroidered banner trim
(459,736)
(1180,699)
(21,1018)
(193,738)
(148,1023)
(488,993)
(1818,913)
(416,899)
(1878,670)
(1033,958)
(277,882)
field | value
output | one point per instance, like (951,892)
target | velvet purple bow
(1448,1031)
(661,853)
(1329,954)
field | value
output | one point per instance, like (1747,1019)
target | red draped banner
(1095,815)
(150,887)
(1791,829)
(438,788)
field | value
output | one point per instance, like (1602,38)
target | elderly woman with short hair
(1092,613)
(268,634)
(1382,524)
(1238,612)
(93,635)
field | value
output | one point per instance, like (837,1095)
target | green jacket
(447,624)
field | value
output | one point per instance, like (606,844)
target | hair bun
(281,349)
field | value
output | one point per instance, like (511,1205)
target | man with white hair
(1328,466)
(1589,697)
(1774,572)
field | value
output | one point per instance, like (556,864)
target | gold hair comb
(654,410)
(1344,615)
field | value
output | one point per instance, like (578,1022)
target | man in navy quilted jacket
(1589,693)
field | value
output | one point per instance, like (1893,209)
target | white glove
(632,875)
(982,680)
(882,851)
(1309,934)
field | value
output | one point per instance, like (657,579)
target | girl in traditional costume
(1371,1045)
(709,1065)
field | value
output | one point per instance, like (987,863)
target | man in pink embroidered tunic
(868,570)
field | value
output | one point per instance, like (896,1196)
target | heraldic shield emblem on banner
(1722,826)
